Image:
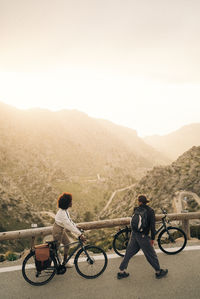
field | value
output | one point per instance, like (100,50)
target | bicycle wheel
(90,261)
(172,240)
(120,241)
(32,276)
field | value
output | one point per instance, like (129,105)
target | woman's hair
(64,200)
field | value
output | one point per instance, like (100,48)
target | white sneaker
(69,264)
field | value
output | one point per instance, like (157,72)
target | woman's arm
(65,220)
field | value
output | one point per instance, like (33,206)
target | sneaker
(162,273)
(121,275)
(69,265)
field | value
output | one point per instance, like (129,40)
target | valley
(105,166)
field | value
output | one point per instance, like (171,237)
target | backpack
(139,221)
(42,257)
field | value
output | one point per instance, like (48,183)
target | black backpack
(139,221)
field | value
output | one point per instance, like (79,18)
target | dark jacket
(151,221)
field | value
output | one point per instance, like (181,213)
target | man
(140,240)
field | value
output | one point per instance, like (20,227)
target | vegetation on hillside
(43,154)
(160,185)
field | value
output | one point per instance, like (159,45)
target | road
(182,282)
(112,196)
(178,199)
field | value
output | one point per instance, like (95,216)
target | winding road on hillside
(112,196)
(179,199)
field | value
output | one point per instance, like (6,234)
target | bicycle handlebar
(164,211)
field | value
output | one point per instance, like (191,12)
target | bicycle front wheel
(34,277)
(121,240)
(90,261)
(172,240)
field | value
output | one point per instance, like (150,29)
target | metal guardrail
(43,231)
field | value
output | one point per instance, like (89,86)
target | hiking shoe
(122,275)
(69,265)
(162,273)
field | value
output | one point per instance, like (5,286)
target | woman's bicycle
(171,240)
(90,262)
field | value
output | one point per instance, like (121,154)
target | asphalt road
(183,281)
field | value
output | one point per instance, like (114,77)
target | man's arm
(152,224)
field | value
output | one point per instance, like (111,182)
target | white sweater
(63,219)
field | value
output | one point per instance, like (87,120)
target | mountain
(161,184)
(16,212)
(44,153)
(176,143)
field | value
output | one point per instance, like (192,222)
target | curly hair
(64,200)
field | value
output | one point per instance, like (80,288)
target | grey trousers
(139,241)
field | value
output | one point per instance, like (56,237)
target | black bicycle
(171,240)
(90,262)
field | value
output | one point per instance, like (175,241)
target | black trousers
(140,241)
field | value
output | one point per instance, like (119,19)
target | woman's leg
(65,241)
(57,233)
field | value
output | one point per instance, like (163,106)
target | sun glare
(150,107)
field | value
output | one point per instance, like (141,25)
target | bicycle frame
(162,226)
(80,245)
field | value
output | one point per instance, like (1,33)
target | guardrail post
(32,242)
(186,228)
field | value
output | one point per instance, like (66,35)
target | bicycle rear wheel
(90,261)
(34,277)
(120,241)
(172,240)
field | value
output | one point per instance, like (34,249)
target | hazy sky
(135,63)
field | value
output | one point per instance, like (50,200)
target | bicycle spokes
(120,241)
(172,240)
(90,262)
(32,275)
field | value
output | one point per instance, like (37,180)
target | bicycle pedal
(61,270)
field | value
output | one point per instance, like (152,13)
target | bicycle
(88,258)
(168,236)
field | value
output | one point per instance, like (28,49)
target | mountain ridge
(177,142)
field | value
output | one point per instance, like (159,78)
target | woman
(63,222)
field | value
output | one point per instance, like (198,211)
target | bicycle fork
(169,235)
(89,259)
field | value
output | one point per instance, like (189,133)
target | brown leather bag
(42,257)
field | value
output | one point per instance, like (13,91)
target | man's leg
(149,251)
(132,248)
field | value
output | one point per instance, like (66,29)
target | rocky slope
(160,185)
(44,153)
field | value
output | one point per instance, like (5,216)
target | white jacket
(63,219)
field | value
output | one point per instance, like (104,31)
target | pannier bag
(42,257)
(139,219)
